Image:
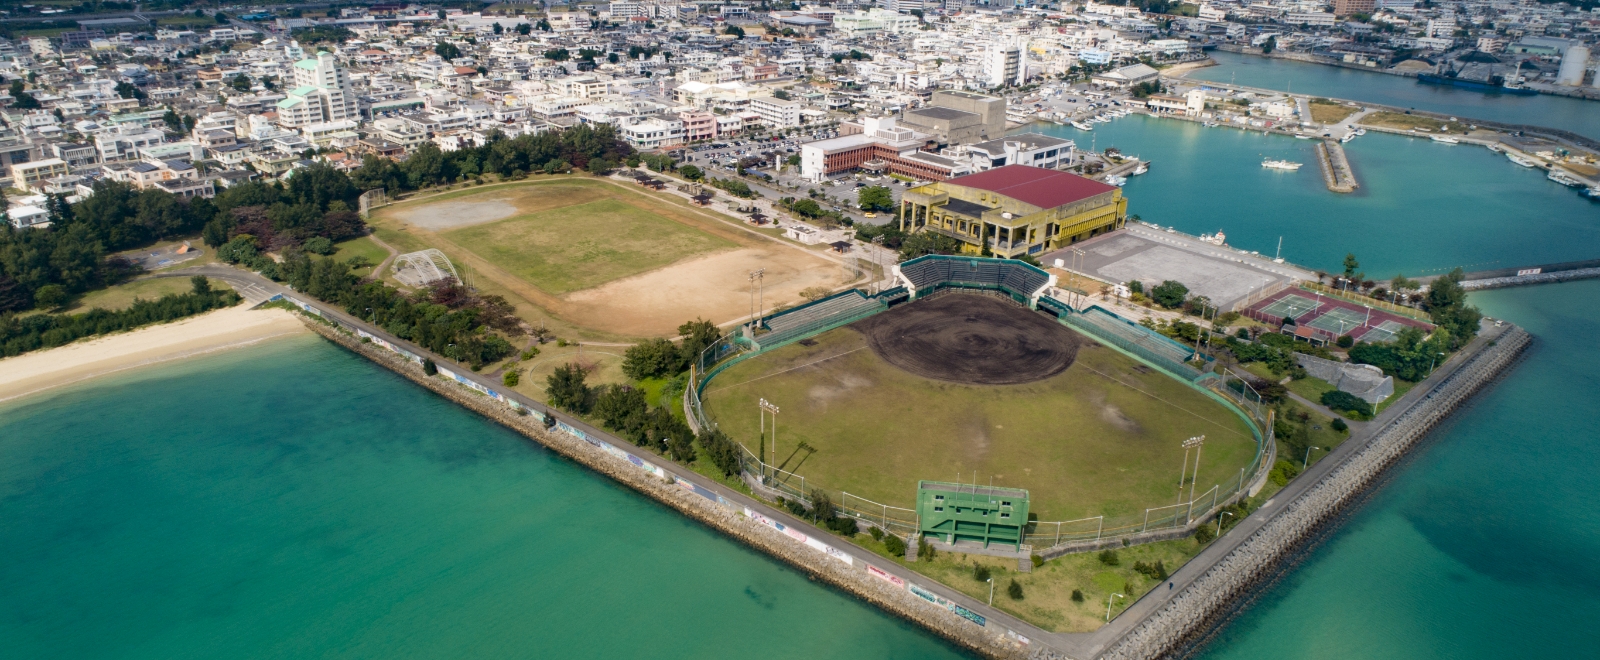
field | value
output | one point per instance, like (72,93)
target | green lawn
(1311,388)
(122,295)
(362,247)
(1081,443)
(585,245)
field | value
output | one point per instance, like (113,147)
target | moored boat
(1280,165)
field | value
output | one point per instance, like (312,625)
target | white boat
(1280,165)
(1141,168)
(1361,132)
(1593,193)
(1521,160)
(1347,137)
(1082,126)
(1117,181)
(1302,136)
(1444,139)
(1210,124)
(1561,177)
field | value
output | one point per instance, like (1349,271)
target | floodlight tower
(1198,443)
(756,277)
(765,408)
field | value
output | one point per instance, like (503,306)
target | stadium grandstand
(927,274)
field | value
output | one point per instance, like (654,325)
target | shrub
(1344,341)
(1346,402)
(925,551)
(512,378)
(895,545)
(429,368)
(877,534)
(1110,558)
(1156,571)
(1339,425)
(1169,294)
(1037,560)
(1014,590)
(1204,535)
(318,245)
(981,573)
(1077,595)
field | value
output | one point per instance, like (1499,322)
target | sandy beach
(214,331)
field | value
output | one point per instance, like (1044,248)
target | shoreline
(235,327)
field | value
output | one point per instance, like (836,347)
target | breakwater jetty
(1210,587)
(1336,171)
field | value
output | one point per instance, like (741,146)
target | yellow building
(1015,209)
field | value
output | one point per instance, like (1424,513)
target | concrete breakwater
(882,588)
(1336,171)
(1211,597)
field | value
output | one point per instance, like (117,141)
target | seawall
(722,514)
(1209,599)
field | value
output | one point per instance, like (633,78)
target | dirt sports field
(600,255)
(911,394)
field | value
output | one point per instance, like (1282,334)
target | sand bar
(210,332)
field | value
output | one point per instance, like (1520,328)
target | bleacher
(1141,340)
(932,271)
(811,317)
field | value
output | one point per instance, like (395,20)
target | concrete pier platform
(1336,167)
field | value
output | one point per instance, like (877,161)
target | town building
(954,117)
(878,146)
(1014,210)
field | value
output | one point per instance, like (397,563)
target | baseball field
(970,388)
(603,257)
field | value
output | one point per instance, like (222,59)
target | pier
(1336,171)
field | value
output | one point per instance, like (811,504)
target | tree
(50,296)
(498,29)
(734,30)
(698,335)
(446,50)
(894,545)
(691,173)
(544,25)
(1014,590)
(241,82)
(1350,265)
(1447,305)
(652,358)
(807,208)
(875,198)
(1169,294)
(1346,402)
(723,452)
(1110,558)
(524,29)
(565,388)
(558,55)
(126,90)
(1271,45)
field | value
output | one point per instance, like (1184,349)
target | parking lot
(1220,273)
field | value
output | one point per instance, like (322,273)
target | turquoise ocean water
(293,500)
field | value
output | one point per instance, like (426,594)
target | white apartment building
(1002,65)
(321,94)
(647,133)
(777,112)
(1031,149)
(1312,18)
(125,141)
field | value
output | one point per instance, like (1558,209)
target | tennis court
(1339,321)
(1290,307)
(1384,332)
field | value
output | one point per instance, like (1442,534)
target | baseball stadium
(979,386)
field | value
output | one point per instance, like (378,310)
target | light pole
(1219,521)
(755,278)
(768,408)
(1434,363)
(991,591)
(1198,443)
(1305,462)
(1108,605)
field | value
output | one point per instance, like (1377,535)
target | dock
(1335,167)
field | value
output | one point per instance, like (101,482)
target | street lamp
(1108,605)
(1303,463)
(1434,363)
(991,591)
(1219,521)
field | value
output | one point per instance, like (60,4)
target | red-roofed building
(1014,210)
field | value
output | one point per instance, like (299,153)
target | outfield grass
(585,245)
(1102,438)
